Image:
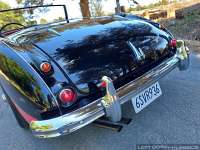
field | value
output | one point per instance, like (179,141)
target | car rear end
(107,62)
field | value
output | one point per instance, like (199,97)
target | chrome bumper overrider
(111,104)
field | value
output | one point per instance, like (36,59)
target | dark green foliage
(10,16)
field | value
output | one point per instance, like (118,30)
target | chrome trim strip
(125,93)
(139,54)
(75,120)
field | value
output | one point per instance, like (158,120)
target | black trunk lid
(89,50)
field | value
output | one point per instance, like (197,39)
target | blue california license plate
(147,96)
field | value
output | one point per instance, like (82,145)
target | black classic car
(62,75)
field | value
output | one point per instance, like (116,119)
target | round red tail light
(103,84)
(67,96)
(45,67)
(173,43)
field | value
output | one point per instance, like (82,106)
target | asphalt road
(174,118)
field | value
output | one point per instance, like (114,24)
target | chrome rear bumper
(75,120)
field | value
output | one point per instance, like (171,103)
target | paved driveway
(173,118)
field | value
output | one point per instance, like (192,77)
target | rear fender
(25,88)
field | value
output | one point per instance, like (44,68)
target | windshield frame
(32,7)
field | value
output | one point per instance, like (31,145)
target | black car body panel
(88,50)
(23,85)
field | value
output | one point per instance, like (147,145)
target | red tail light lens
(67,96)
(173,43)
(45,67)
(103,84)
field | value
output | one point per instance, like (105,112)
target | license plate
(144,98)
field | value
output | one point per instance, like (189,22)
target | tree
(30,12)
(10,16)
(165,2)
(85,10)
(4,6)
(96,8)
(30,2)
(43,21)
(84,5)
(118,9)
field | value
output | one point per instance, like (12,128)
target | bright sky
(74,9)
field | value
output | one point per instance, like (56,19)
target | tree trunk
(118,8)
(85,10)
